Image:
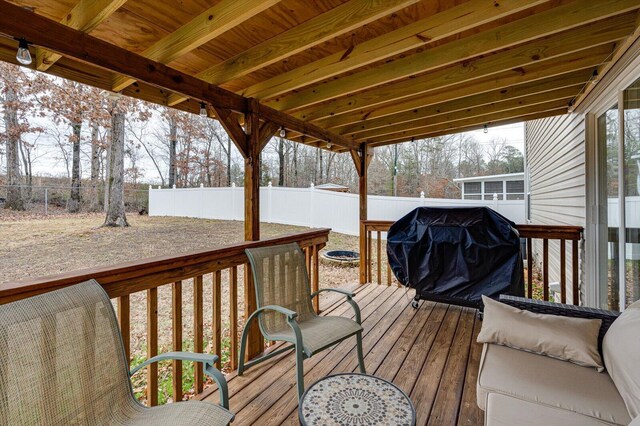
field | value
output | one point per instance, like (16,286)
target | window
(472,188)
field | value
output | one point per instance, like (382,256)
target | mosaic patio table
(355,399)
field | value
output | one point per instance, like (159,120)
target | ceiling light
(283,132)
(23,56)
(486,128)
(203,110)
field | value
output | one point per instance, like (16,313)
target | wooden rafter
(17,22)
(531,74)
(512,92)
(439,26)
(233,129)
(559,19)
(479,120)
(203,28)
(85,16)
(326,26)
(586,37)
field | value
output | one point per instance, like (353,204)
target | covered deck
(429,352)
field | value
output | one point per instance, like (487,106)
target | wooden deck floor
(430,353)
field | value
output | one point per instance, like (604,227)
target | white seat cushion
(621,348)
(550,382)
(505,410)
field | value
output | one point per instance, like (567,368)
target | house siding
(555,150)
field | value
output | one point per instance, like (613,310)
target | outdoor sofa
(519,387)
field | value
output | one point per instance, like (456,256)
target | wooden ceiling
(356,71)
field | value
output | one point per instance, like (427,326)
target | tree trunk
(115,210)
(107,171)
(95,169)
(25,153)
(281,163)
(73,206)
(14,191)
(229,161)
(295,164)
(173,143)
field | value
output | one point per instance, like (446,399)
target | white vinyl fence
(315,208)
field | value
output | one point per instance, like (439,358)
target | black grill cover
(455,255)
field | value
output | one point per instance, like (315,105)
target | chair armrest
(335,290)
(209,369)
(551,308)
(288,312)
(348,294)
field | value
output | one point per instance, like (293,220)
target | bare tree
(116,216)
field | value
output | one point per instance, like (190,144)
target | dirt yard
(37,245)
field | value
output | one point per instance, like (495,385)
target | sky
(49,162)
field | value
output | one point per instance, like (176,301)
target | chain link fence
(56,199)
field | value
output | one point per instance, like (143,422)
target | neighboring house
(332,187)
(573,177)
(508,186)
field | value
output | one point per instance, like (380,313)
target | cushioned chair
(519,387)
(285,312)
(62,362)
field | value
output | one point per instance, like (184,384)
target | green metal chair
(62,362)
(285,312)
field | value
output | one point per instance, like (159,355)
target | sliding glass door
(619,195)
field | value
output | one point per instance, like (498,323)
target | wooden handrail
(123,279)
(545,233)
(129,277)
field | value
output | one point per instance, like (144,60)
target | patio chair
(62,361)
(285,312)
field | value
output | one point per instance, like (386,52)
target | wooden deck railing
(122,280)
(545,233)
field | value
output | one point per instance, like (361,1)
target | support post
(361,159)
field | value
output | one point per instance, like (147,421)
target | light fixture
(594,76)
(329,145)
(486,128)
(23,56)
(203,110)
(283,132)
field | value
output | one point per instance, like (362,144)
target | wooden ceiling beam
(586,37)
(561,96)
(479,120)
(475,126)
(512,92)
(85,16)
(208,25)
(412,36)
(557,20)
(17,22)
(337,21)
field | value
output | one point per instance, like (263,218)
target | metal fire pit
(346,258)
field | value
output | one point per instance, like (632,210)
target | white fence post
(495,202)
(422,199)
(269,202)
(311,198)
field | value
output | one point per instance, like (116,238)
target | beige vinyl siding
(555,149)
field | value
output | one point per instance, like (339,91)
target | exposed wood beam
(17,22)
(267,130)
(476,126)
(586,37)
(85,16)
(558,69)
(466,122)
(208,25)
(606,67)
(512,92)
(326,26)
(231,125)
(559,19)
(412,36)
(561,97)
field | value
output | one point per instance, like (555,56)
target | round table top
(355,399)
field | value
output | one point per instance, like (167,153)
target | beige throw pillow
(570,339)
(621,349)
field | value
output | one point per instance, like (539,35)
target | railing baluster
(369,256)
(574,271)
(216,322)
(315,282)
(124,321)
(379,248)
(233,316)
(529,268)
(176,320)
(152,346)
(197,331)
(388,274)
(563,272)
(545,269)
